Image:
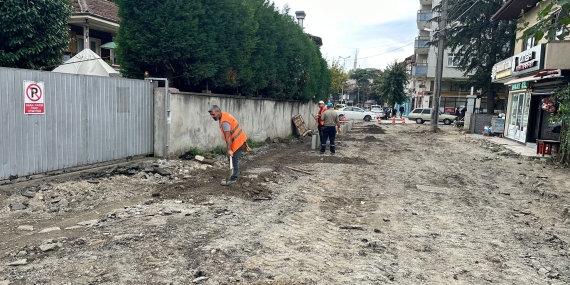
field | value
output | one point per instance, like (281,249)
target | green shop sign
(518,86)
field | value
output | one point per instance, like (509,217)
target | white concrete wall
(191,124)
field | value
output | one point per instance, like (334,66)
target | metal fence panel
(88,119)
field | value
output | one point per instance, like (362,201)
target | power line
(366,47)
(468,9)
(387,51)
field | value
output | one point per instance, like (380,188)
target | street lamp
(343,67)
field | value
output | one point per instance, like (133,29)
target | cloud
(373,26)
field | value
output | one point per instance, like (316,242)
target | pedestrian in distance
(402,109)
(319,117)
(394,112)
(234,137)
(331,122)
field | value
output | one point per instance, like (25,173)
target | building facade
(424,69)
(532,76)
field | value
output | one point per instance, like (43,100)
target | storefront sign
(519,86)
(529,60)
(502,69)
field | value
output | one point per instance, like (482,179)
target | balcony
(421,45)
(420,70)
(423,18)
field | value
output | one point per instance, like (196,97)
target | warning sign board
(34,98)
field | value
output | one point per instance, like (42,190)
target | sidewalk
(514,146)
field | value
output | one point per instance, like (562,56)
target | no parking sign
(34,98)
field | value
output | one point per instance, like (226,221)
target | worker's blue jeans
(328,134)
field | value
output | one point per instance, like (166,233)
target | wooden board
(300,124)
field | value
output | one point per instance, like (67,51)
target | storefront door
(520,107)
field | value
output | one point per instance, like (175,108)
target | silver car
(421,115)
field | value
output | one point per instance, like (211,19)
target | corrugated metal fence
(88,119)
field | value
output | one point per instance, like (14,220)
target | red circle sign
(34,92)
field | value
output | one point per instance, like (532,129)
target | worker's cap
(321,102)
(214,108)
(329,104)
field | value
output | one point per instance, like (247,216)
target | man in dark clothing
(394,112)
(402,109)
(330,116)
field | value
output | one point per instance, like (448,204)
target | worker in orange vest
(234,137)
(320,121)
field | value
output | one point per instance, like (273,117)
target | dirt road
(395,205)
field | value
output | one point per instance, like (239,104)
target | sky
(377,28)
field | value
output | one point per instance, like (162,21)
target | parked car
(379,112)
(355,113)
(421,115)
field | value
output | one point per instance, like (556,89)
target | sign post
(34,98)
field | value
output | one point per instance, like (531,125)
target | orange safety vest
(237,135)
(321,112)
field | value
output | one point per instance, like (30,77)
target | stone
(5,282)
(385,219)
(48,247)
(149,169)
(162,171)
(93,181)
(18,262)
(199,279)
(22,253)
(88,223)
(25,228)
(542,271)
(17,207)
(29,194)
(47,230)
(73,227)
(199,158)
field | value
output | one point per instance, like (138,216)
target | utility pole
(439,65)
(355,59)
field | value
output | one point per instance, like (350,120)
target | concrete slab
(515,146)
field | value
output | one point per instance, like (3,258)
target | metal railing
(424,16)
(420,69)
(421,43)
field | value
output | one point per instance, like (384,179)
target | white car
(355,113)
(379,112)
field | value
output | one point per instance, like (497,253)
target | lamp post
(343,67)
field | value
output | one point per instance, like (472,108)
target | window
(426,111)
(528,43)
(452,60)
(94,45)
(417,111)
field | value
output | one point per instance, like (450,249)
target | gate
(86,120)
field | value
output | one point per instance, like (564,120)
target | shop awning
(537,77)
(522,79)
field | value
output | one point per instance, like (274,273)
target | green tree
(392,83)
(478,42)
(338,78)
(364,78)
(33,34)
(552,22)
(242,47)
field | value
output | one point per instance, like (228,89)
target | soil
(397,204)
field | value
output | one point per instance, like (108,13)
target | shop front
(531,83)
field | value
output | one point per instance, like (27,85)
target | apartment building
(424,67)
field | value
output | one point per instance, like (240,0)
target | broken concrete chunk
(48,247)
(17,207)
(25,228)
(28,194)
(199,158)
(18,262)
(93,181)
(162,171)
(88,223)
(52,229)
